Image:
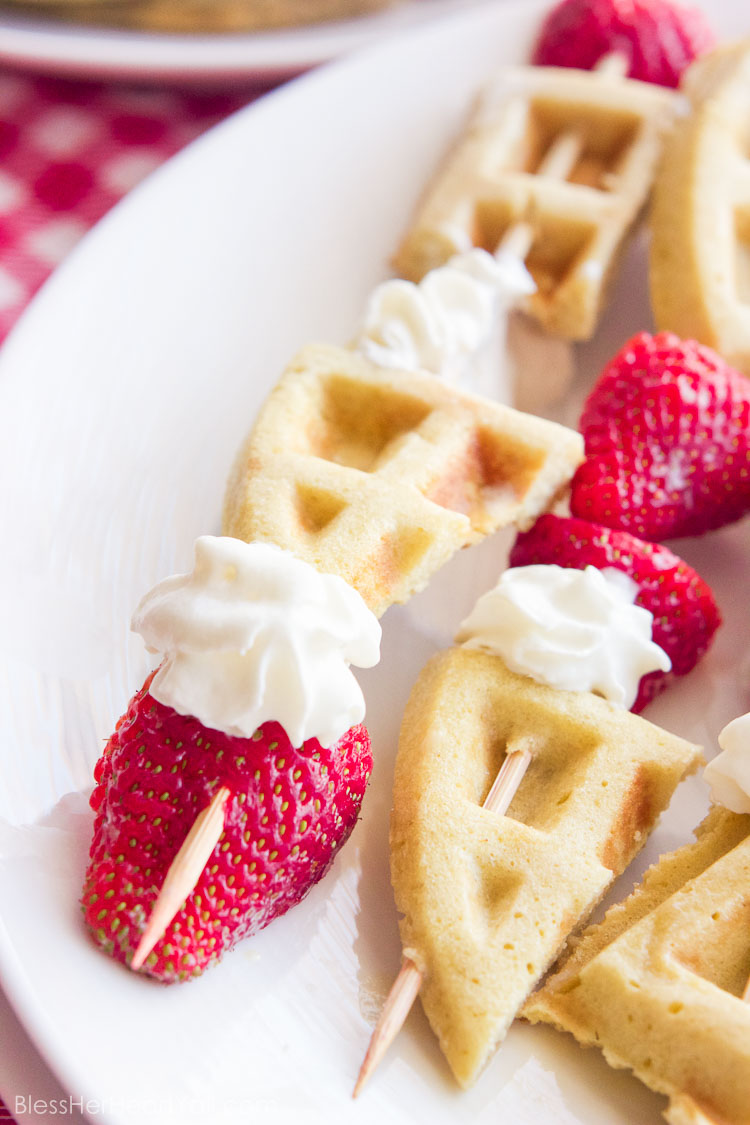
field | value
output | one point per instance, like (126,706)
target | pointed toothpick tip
(184,872)
(395,1010)
(409,980)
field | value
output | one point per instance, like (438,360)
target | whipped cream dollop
(443,324)
(729,772)
(572,629)
(255,634)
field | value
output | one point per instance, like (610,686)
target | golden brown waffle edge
(488,900)
(700,224)
(487,184)
(657,985)
(380,475)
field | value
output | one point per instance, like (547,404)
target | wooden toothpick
(409,980)
(558,162)
(183,874)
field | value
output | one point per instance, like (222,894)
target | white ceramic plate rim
(32,42)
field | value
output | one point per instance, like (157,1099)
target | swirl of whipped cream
(255,634)
(729,772)
(441,324)
(577,630)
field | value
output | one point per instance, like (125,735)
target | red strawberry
(660,38)
(666,430)
(290,811)
(685,613)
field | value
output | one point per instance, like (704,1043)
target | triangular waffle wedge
(488,184)
(700,249)
(489,900)
(381,475)
(658,984)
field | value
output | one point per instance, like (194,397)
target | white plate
(61,48)
(124,393)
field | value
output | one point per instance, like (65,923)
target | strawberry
(658,37)
(685,613)
(289,812)
(666,434)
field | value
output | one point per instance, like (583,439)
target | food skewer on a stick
(492,176)
(574,29)
(409,980)
(187,867)
(472,956)
(203,804)
(558,162)
(576,544)
(185,870)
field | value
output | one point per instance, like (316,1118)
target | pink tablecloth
(68,151)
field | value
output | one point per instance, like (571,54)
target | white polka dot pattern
(68,151)
(51,242)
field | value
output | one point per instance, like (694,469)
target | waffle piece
(700,249)
(198,15)
(489,900)
(381,475)
(488,185)
(658,984)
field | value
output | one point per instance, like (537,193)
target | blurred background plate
(53,46)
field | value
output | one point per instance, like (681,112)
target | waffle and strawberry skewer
(683,618)
(239,768)
(620,38)
(665,430)
(218,810)
(556,164)
(213,818)
(156,846)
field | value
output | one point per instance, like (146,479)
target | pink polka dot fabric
(68,151)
